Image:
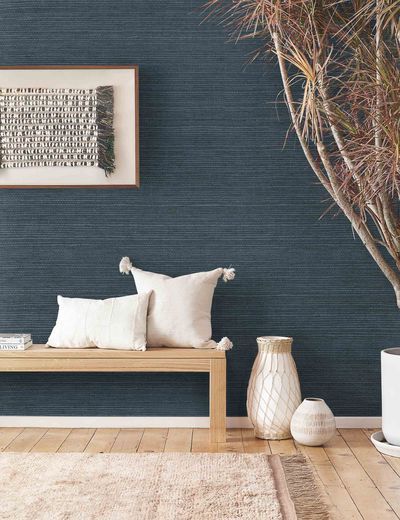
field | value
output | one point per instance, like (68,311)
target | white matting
(25,421)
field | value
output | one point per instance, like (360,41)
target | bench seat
(41,358)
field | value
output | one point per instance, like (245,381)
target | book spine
(13,346)
(15,340)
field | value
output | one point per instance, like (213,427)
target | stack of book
(15,341)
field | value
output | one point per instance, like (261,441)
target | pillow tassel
(224,344)
(228,274)
(125,265)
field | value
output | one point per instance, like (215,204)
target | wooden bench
(40,358)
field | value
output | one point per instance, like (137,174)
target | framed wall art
(69,127)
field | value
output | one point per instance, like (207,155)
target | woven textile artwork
(57,127)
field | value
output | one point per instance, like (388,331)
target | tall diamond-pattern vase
(273,393)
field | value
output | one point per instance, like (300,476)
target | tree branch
(290,102)
(333,186)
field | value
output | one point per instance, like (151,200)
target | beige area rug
(150,486)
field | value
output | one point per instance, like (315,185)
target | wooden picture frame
(125,81)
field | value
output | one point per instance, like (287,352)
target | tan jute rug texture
(158,486)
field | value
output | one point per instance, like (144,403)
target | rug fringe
(305,492)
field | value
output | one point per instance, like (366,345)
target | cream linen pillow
(115,323)
(179,313)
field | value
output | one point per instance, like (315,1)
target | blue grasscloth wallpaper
(217,189)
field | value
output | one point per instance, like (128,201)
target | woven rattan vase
(273,393)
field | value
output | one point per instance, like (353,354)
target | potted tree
(339,63)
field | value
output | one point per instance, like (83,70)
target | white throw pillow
(115,323)
(179,313)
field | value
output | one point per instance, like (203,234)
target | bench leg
(218,400)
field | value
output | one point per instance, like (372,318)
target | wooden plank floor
(359,482)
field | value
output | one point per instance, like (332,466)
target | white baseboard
(358,422)
(25,421)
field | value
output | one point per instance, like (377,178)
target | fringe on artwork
(105,121)
(304,491)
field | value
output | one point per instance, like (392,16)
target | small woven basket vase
(273,393)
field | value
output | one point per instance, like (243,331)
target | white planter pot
(390,366)
(313,423)
(273,393)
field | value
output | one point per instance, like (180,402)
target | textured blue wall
(217,189)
